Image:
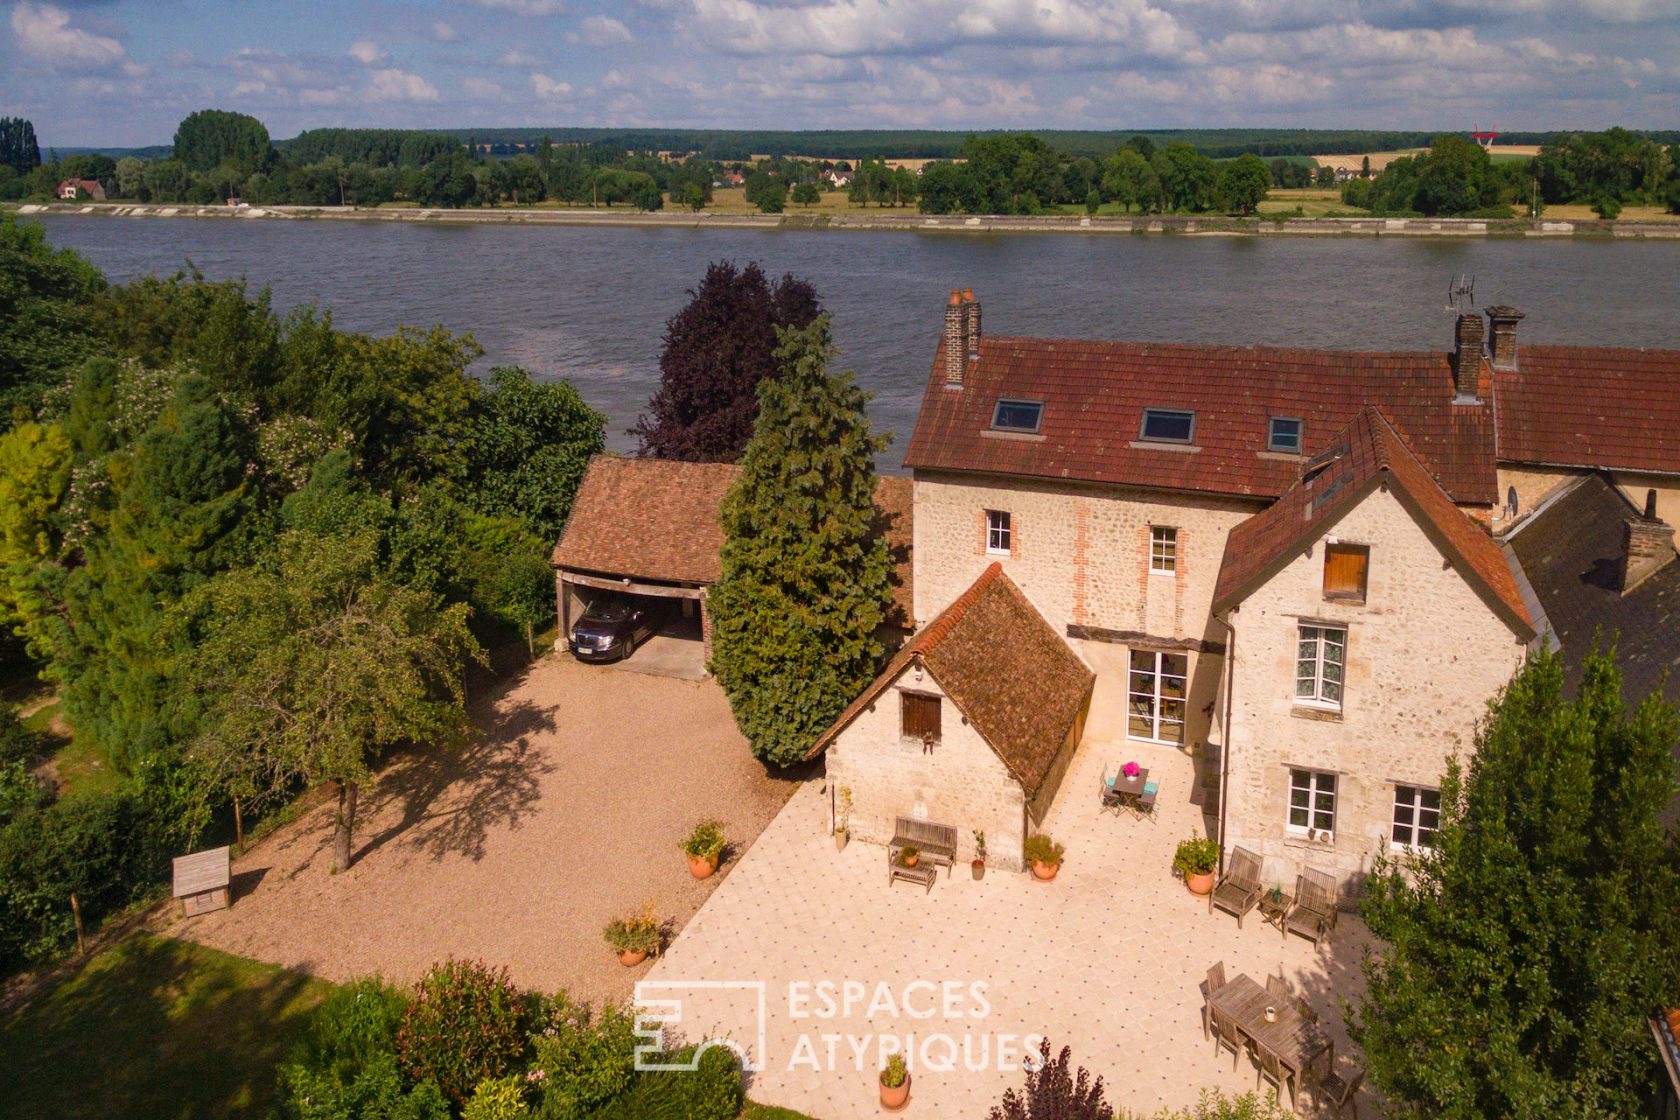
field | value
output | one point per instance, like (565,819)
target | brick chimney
(971,323)
(1467,357)
(1502,336)
(956,343)
(1647,545)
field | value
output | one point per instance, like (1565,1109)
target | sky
(124,72)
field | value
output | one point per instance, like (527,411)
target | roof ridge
(946,621)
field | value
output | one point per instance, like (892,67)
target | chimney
(1647,545)
(1502,336)
(971,323)
(1467,357)
(956,346)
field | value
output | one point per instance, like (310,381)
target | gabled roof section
(1571,550)
(659,520)
(1359,458)
(1094,394)
(1590,406)
(1004,667)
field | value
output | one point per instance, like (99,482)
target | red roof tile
(1371,451)
(658,519)
(1094,394)
(1005,668)
(1591,407)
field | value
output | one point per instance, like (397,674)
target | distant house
(735,178)
(72,189)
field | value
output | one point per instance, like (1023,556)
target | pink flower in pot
(1131,770)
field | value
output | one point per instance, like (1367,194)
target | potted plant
(908,856)
(1131,770)
(843,831)
(636,936)
(978,864)
(703,847)
(895,1084)
(1195,859)
(1044,854)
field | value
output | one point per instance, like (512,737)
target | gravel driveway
(516,848)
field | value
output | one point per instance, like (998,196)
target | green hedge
(711,1092)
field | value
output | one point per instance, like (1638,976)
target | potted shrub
(843,831)
(1195,859)
(635,937)
(1044,854)
(978,865)
(895,1084)
(703,847)
(908,856)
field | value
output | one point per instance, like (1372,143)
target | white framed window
(1163,549)
(1320,656)
(1417,816)
(1312,802)
(1283,433)
(1155,696)
(999,534)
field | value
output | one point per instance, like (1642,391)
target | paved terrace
(1108,958)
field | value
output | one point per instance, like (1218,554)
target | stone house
(974,721)
(1128,489)
(71,189)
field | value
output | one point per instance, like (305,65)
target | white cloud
(523,7)
(600,31)
(518,57)
(366,51)
(44,32)
(482,89)
(548,89)
(398,85)
(444,33)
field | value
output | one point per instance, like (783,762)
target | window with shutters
(1344,571)
(918,716)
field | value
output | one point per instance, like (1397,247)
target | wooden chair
(1270,1067)
(1226,1033)
(1339,1091)
(1313,913)
(1277,987)
(1111,798)
(1215,981)
(1239,891)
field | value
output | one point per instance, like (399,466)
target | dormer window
(1284,434)
(1017,416)
(1168,425)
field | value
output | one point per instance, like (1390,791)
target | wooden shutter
(919,715)
(1344,571)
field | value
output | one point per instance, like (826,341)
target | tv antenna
(1461,294)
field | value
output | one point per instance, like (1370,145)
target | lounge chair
(1239,891)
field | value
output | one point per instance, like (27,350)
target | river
(590,304)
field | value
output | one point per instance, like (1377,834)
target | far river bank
(867,221)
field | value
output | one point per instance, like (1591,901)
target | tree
(807,194)
(211,136)
(806,574)
(47,317)
(312,666)
(1187,177)
(717,350)
(18,149)
(767,192)
(530,444)
(1525,951)
(1055,1092)
(1128,179)
(1243,183)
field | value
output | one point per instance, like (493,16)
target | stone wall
(1424,653)
(1081,555)
(960,782)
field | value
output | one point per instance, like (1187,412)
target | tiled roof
(1594,407)
(1004,667)
(658,520)
(1570,550)
(1370,451)
(1094,394)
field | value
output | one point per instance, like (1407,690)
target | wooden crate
(201,880)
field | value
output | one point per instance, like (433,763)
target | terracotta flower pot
(894,1099)
(701,867)
(1045,871)
(629,957)
(840,839)
(1199,884)
(911,861)
(979,868)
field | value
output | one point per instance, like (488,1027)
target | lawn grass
(76,765)
(155,1029)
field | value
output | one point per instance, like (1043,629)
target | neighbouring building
(1286,563)
(1665,1104)
(71,189)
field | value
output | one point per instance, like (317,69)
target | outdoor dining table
(1128,789)
(1292,1038)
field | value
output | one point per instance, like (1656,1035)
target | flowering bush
(1131,769)
(466,1025)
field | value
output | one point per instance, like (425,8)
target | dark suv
(610,629)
